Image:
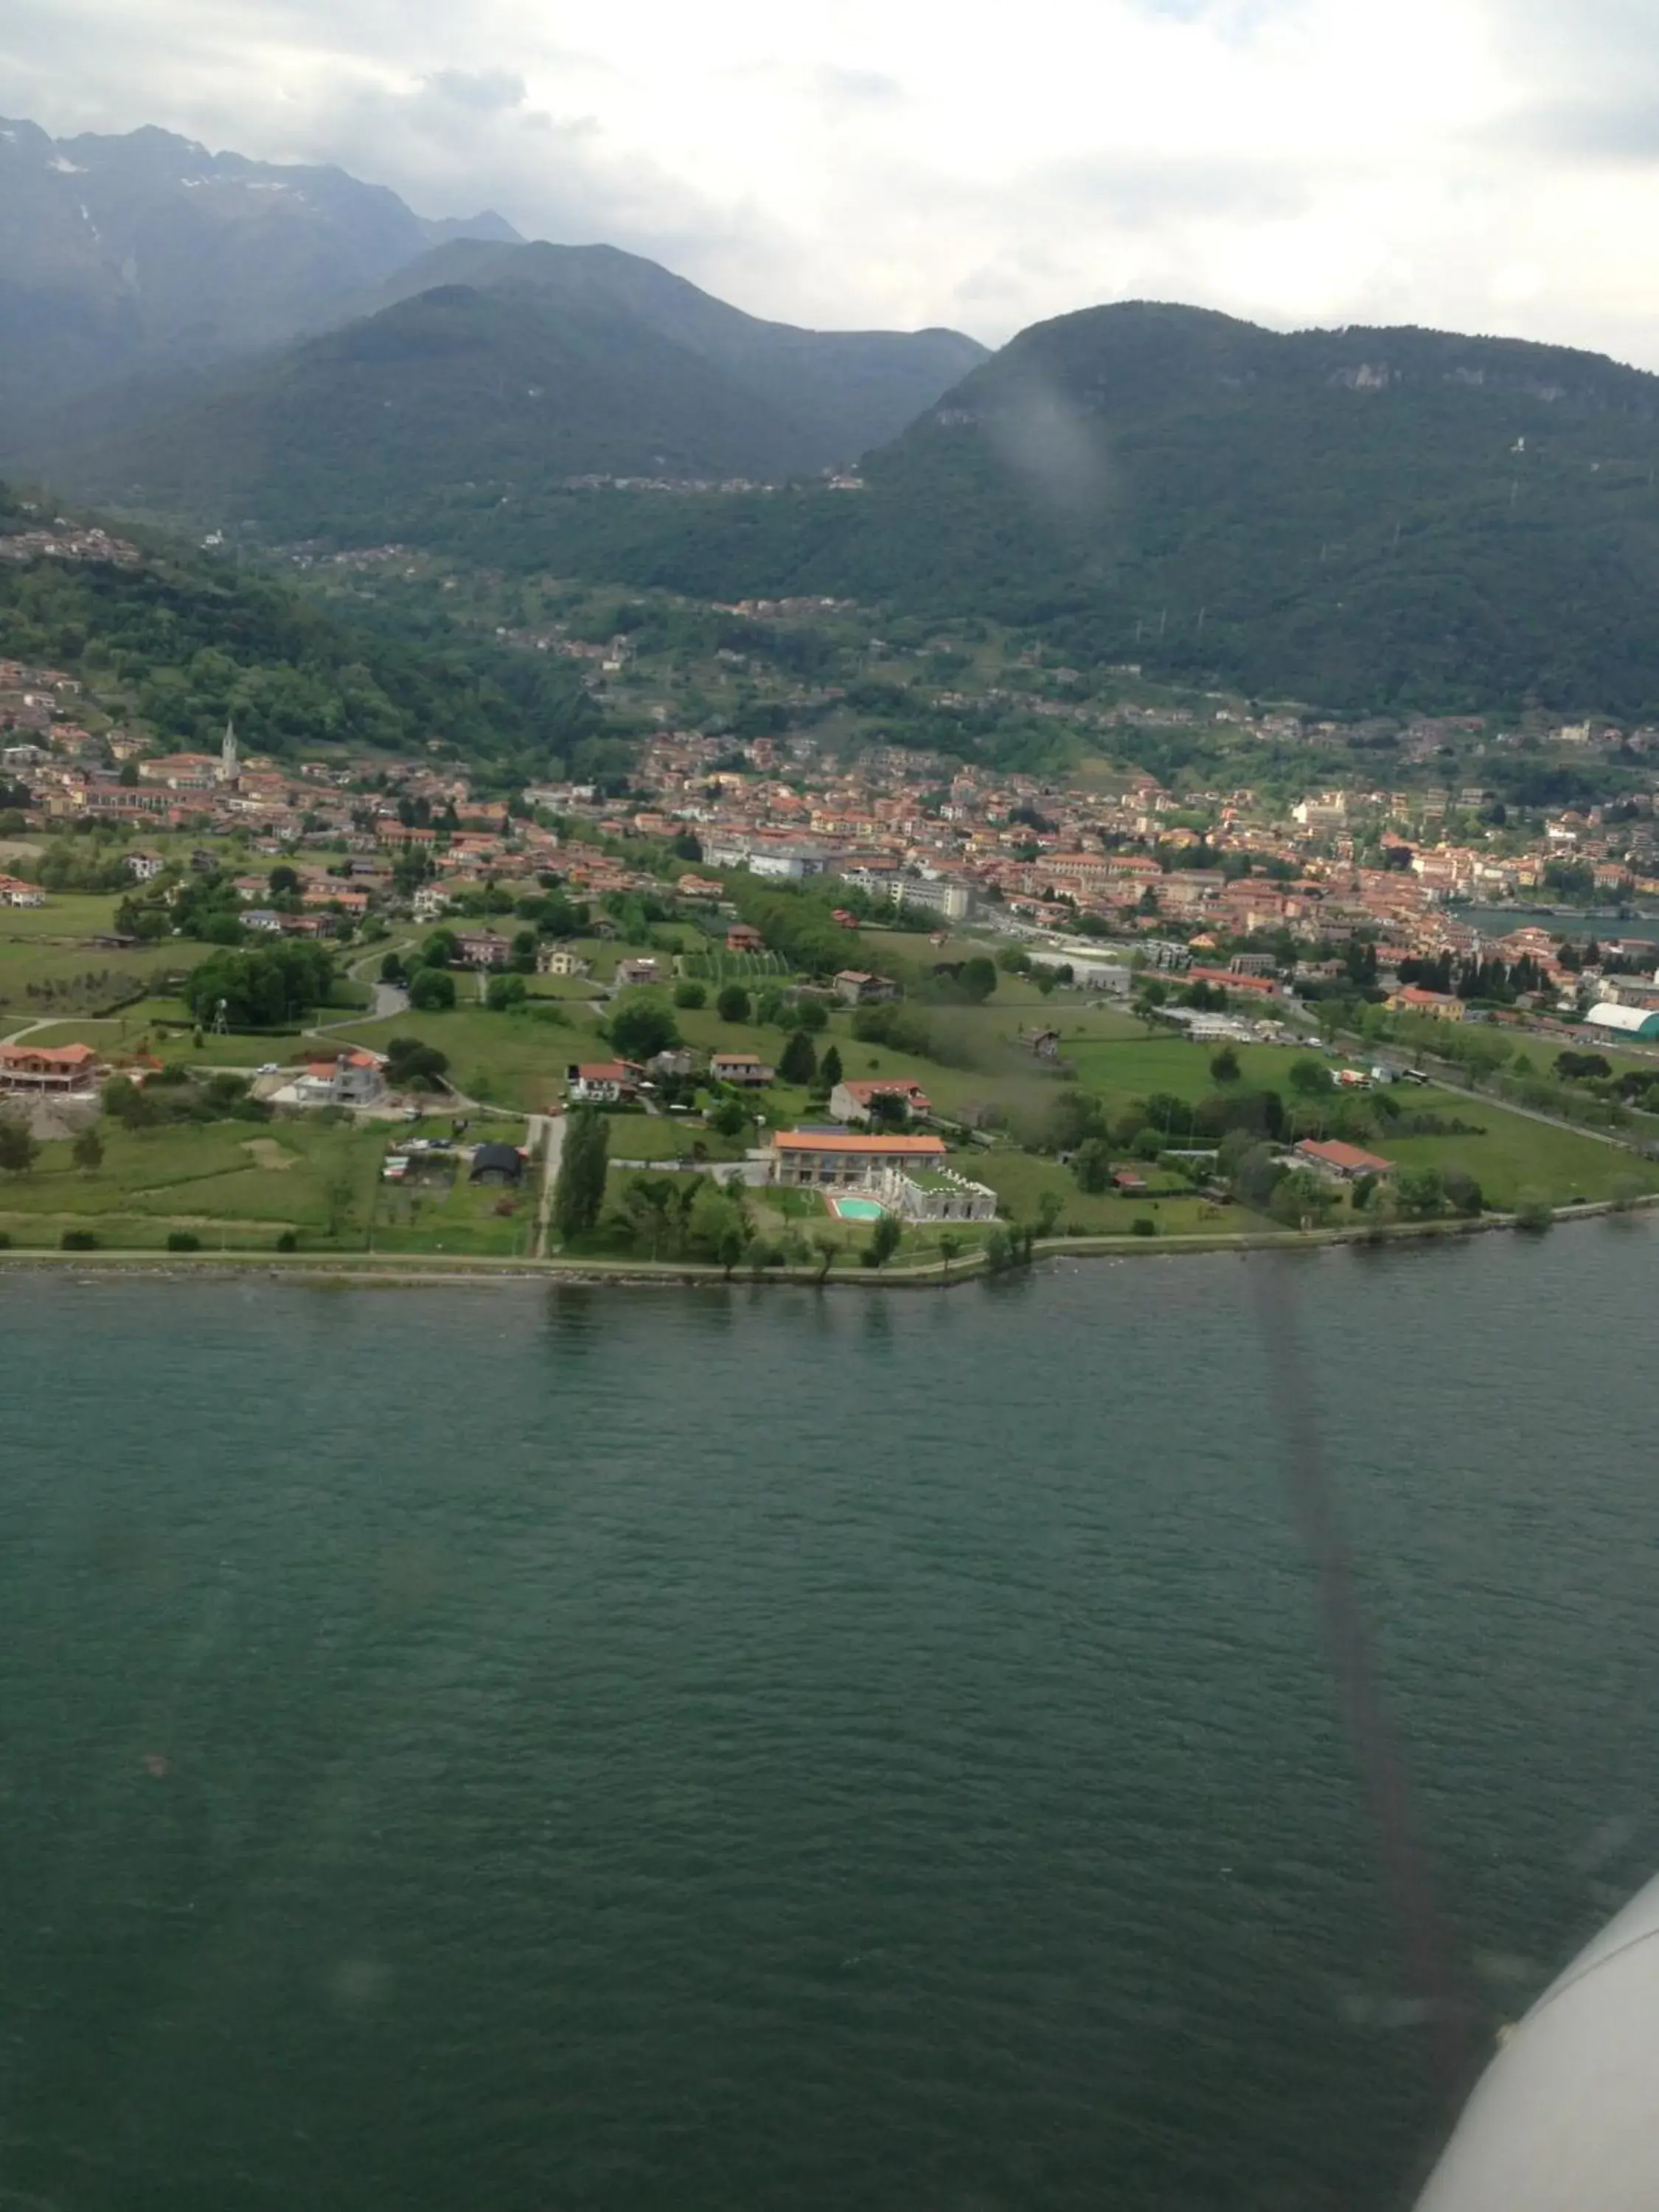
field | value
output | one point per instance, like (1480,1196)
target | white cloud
(1486,164)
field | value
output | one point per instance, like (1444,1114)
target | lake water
(1499,921)
(512,1748)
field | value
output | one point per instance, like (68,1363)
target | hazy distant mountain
(498,371)
(120,253)
(841,391)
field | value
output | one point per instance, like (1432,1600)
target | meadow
(236,1184)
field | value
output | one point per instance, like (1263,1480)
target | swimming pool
(856,1209)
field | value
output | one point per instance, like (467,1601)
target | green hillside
(187,642)
(1359,518)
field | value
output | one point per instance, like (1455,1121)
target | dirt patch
(266,1152)
(54,1120)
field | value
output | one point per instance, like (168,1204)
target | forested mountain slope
(1360,517)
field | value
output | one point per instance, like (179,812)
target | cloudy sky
(1476,164)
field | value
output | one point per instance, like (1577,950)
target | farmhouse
(601,1083)
(747,1070)
(482,948)
(856,989)
(40,1070)
(1343,1162)
(560,960)
(853,1102)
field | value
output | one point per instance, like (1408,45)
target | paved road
(54,1021)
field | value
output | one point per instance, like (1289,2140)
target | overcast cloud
(1479,164)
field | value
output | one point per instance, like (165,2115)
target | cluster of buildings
(62,540)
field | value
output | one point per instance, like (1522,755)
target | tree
(1421,1193)
(411,1065)
(641,1028)
(1256,1172)
(504,992)
(888,1109)
(579,1194)
(1224,1066)
(87,1150)
(440,949)
(1463,1193)
(431,990)
(730,1118)
(129,1103)
(885,1238)
(798,1062)
(18,1150)
(1093,1166)
(828,1251)
(690,995)
(1534,1213)
(284,882)
(1310,1077)
(978,978)
(829,1068)
(732,1003)
(1302,1200)
(261,988)
(392,968)
(1050,1205)
(646,1208)
(949,1245)
(812,1014)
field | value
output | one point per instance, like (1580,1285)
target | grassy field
(1517,1154)
(236,1182)
(503,1059)
(658,1137)
(1020,1180)
(39,978)
(119,1037)
(1136,1065)
(875,948)
(65,913)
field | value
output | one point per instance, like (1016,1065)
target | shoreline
(410,1270)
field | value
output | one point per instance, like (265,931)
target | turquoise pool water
(857,1209)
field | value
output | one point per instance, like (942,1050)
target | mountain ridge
(516,366)
(1363,517)
(120,252)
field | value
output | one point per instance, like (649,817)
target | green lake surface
(513,1748)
